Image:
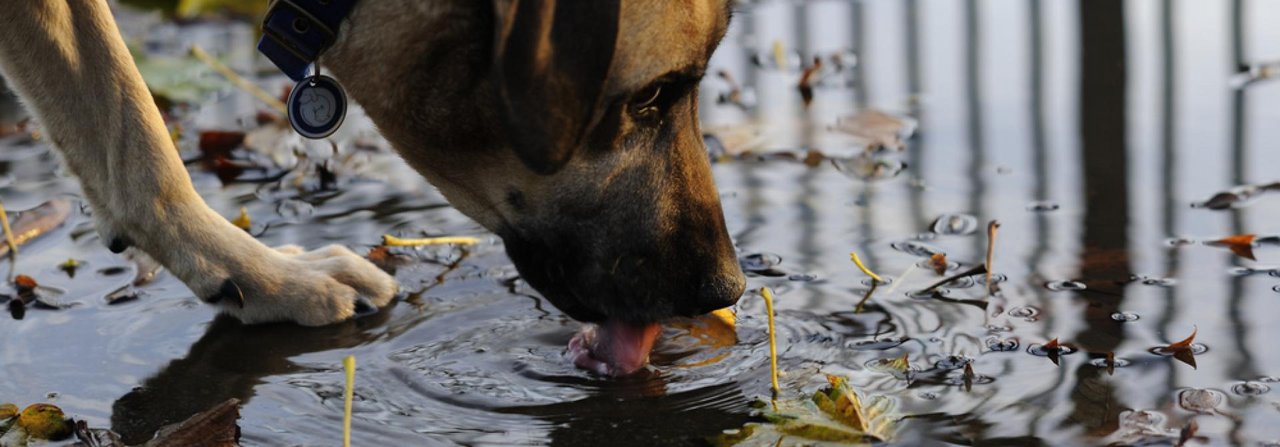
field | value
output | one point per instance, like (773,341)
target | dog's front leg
(67,61)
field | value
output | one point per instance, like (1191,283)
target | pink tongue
(614,348)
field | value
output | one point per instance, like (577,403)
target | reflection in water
(1119,112)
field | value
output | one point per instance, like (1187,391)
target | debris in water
(349,366)
(1240,244)
(833,414)
(858,262)
(939,263)
(880,130)
(991,250)
(392,241)
(773,342)
(807,79)
(1236,197)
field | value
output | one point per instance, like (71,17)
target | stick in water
(858,262)
(773,341)
(991,249)
(392,241)
(8,238)
(349,364)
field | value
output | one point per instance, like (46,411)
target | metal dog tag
(317,106)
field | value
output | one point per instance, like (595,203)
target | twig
(392,241)
(8,239)
(858,262)
(349,364)
(991,249)
(773,341)
(237,80)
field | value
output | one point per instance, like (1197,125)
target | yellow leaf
(243,221)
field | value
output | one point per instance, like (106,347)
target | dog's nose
(720,291)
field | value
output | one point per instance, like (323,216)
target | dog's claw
(230,290)
(118,245)
(364,307)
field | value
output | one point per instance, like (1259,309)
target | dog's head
(570,128)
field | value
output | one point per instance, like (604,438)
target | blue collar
(295,32)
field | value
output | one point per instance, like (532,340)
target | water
(1022,117)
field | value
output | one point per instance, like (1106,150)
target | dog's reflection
(228,361)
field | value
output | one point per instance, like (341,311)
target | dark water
(1087,129)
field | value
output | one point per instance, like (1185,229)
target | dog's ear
(551,59)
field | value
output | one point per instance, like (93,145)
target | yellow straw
(349,364)
(773,342)
(236,79)
(8,239)
(392,241)
(858,261)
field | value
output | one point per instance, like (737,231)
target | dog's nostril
(720,292)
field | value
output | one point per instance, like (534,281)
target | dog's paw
(311,288)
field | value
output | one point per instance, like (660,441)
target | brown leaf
(939,263)
(813,158)
(25,284)
(1240,244)
(968,376)
(1111,363)
(806,81)
(1183,345)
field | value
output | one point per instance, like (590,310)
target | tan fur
(644,219)
(68,63)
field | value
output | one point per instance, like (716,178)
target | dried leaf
(1240,244)
(1052,345)
(1183,345)
(1111,363)
(25,284)
(939,263)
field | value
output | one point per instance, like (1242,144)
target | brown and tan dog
(570,129)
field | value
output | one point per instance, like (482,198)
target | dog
(570,129)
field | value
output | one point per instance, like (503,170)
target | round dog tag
(317,107)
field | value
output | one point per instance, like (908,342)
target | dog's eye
(646,101)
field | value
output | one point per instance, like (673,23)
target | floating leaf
(69,266)
(1111,363)
(1185,344)
(45,421)
(939,263)
(1240,244)
(835,414)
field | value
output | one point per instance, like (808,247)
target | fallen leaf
(968,377)
(1185,344)
(1052,345)
(1111,363)
(1240,244)
(69,267)
(25,284)
(44,421)
(939,263)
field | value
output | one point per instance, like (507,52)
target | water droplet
(761,264)
(1038,350)
(955,224)
(1002,344)
(1060,286)
(1250,388)
(995,278)
(802,277)
(953,362)
(1102,363)
(885,280)
(1042,206)
(1027,312)
(1124,317)
(916,248)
